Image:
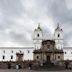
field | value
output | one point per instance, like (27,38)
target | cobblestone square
(26,70)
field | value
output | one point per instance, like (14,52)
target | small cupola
(38,28)
(58,28)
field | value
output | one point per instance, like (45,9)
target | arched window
(11,57)
(12,51)
(3,57)
(20,51)
(37,57)
(58,57)
(4,51)
(28,51)
(65,52)
(37,35)
(58,35)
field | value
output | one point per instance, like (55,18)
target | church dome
(38,28)
(58,28)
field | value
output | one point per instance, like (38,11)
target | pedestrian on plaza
(30,66)
(66,64)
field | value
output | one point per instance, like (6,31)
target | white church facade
(12,53)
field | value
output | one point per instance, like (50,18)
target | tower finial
(39,28)
(38,24)
(58,25)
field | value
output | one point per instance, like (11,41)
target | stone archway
(19,56)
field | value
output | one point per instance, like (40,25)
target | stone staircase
(49,67)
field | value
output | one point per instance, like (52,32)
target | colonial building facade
(16,53)
(48,53)
(58,38)
(53,49)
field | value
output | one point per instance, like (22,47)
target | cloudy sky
(18,19)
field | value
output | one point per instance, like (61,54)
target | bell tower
(37,38)
(58,37)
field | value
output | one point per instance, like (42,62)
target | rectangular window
(28,51)
(11,57)
(3,57)
(12,51)
(65,53)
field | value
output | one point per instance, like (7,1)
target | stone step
(49,67)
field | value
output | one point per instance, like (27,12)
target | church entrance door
(48,59)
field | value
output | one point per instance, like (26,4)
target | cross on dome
(58,27)
(39,26)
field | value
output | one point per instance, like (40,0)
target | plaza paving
(26,70)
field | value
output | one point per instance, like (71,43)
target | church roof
(67,48)
(45,41)
(16,47)
(48,51)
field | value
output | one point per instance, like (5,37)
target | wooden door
(19,57)
(48,59)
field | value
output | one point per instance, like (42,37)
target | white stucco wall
(8,53)
(67,53)
(27,56)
